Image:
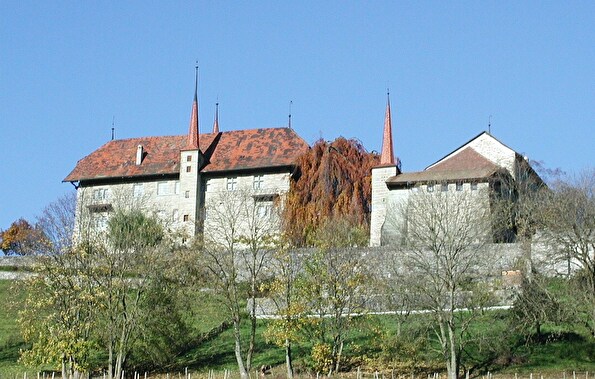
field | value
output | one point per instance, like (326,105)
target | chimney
(139,154)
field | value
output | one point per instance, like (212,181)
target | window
(188,168)
(186,194)
(473,186)
(189,158)
(177,187)
(459,186)
(100,221)
(444,187)
(430,188)
(175,215)
(232,183)
(100,194)
(138,190)
(208,186)
(162,188)
(264,210)
(258,182)
(186,218)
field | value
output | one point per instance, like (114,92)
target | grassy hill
(372,344)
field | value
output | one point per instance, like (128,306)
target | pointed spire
(193,129)
(216,122)
(387,156)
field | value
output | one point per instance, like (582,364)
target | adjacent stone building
(484,167)
(174,177)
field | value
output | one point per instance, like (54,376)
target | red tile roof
(466,159)
(226,151)
(468,164)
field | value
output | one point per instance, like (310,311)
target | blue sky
(68,69)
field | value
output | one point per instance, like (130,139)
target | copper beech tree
(334,180)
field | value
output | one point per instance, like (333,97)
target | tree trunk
(238,348)
(453,363)
(64,375)
(110,365)
(288,359)
(339,353)
(252,342)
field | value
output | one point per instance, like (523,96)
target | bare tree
(569,226)
(440,239)
(240,230)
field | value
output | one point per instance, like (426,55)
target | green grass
(11,341)
(566,350)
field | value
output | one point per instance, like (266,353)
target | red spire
(387,157)
(216,123)
(193,130)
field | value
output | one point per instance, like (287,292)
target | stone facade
(380,198)
(483,167)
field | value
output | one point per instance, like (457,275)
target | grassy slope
(573,352)
(11,340)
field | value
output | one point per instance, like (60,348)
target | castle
(179,178)
(175,177)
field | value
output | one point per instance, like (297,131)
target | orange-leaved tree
(333,181)
(20,238)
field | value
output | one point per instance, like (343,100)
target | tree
(128,269)
(440,239)
(59,312)
(568,220)
(334,287)
(240,233)
(283,290)
(534,306)
(20,238)
(334,181)
(515,208)
(102,290)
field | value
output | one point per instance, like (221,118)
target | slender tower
(191,162)
(193,132)
(216,122)
(388,167)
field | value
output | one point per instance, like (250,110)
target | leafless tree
(240,231)
(440,240)
(568,220)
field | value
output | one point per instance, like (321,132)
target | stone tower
(389,166)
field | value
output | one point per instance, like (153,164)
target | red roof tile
(232,150)
(466,159)
(468,164)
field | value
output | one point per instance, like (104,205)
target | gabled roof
(226,151)
(467,143)
(466,159)
(466,165)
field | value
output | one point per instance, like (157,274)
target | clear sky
(69,69)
